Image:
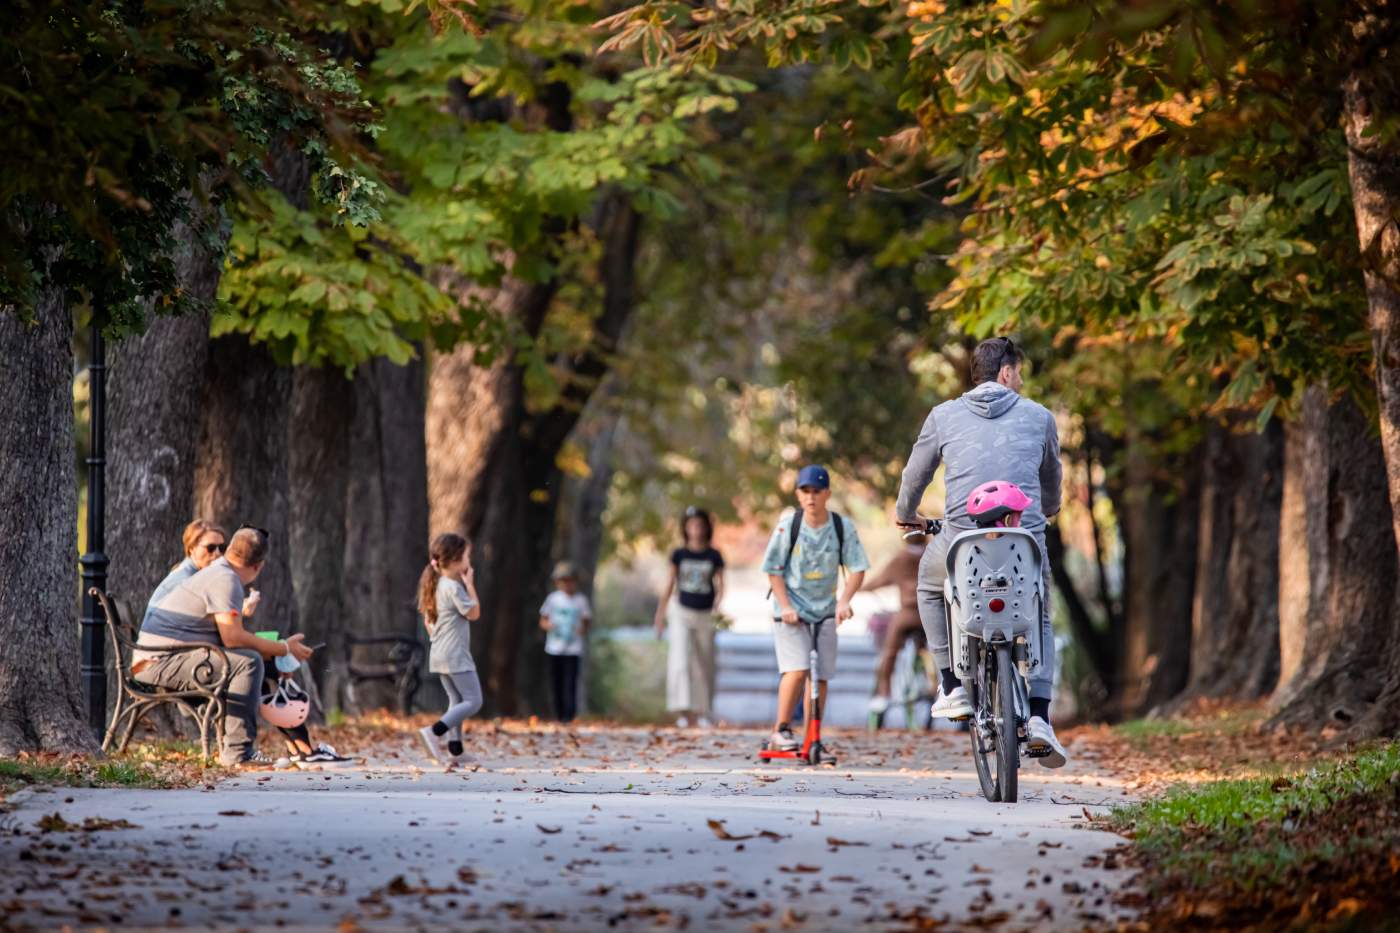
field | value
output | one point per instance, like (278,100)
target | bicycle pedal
(959,718)
(1038,752)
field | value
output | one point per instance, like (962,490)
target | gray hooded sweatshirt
(990,433)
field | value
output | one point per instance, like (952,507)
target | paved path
(602,828)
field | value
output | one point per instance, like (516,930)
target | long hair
(445,549)
(196,530)
(704,516)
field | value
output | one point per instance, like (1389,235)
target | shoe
(255,761)
(782,740)
(285,763)
(878,705)
(682,722)
(953,705)
(433,744)
(324,756)
(703,722)
(1042,745)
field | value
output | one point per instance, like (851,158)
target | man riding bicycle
(990,433)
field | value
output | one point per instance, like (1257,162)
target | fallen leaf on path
(55,823)
(717,827)
(833,841)
(980,832)
(549,830)
(233,813)
(799,868)
(817,819)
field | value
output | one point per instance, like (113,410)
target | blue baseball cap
(813,475)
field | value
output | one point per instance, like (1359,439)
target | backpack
(795,532)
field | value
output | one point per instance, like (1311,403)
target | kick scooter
(811,750)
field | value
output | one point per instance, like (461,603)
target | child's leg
(454,700)
(570,683)
(464,687)
(790,687)
(556,681)
(298,738)
(807,700)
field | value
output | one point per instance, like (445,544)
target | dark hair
(704,516)
(247,547)
(445,549)
(991,355)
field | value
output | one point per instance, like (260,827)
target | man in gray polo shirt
(207,610)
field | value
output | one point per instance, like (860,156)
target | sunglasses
(214,548)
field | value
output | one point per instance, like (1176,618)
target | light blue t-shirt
(813,575)
(178,574)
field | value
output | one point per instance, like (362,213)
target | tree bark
(491,461)
(41,700)
(154,395)
(1158,521)
(318,471)
(386,514)
(1235,621)
(1303,542)
(1341,672)
(1097,645)
(241,472)
(1370,102)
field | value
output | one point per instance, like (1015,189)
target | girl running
(447,599)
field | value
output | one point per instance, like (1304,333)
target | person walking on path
(803,562)
(988,434)
(697,580)
(565,618)
(204,541)
(903,572)
(449,604)
(207,609)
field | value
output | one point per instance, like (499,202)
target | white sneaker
(1042,745)
(953,705)
(433,744)
(879,705)
(703,722)
(682,722)
(783,741)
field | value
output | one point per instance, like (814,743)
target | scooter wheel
(814,754)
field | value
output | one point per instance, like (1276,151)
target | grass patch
(154,765)
(1316,845)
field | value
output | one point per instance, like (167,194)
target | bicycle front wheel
(981,730)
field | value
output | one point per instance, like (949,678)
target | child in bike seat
(805,555)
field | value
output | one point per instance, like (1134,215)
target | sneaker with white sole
(878,705)
(782,740)
(1042,745)
(434,744)
(703,723)
(323,756)
(682,722)
(953,705)
(256,761)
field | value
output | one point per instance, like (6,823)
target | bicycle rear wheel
(1004,706)
(980,729)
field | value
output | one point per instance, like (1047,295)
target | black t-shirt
(695,576)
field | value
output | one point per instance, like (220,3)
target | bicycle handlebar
(931,527)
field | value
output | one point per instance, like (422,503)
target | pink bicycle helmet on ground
(997,503)
(286,707)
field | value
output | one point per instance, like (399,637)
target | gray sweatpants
(464,693)
(179,671)
(933,570)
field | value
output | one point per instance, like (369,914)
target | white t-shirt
(566,613)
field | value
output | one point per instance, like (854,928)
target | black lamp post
(94,562)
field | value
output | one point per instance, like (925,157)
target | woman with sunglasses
(205,543)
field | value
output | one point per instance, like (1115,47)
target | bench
(395,659)
(205,704)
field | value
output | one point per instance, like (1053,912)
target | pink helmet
(286,707)
(997,503)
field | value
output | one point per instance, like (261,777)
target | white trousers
(690,659)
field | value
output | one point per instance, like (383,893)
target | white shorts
(793,643)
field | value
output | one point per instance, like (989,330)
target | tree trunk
(1097,645)
(241,472)
(386,514)
(1370,102)
(153,415)
(1158,522)
(41,700)
(318,470)
(1303,539)
(1235,621)
(1340,674)
(491,461)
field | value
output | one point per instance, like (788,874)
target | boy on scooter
(803,562)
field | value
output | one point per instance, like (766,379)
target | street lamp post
(94,561)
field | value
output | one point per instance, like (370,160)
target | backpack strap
(796,531)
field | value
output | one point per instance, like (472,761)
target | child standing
(697,579)
(565,616)
(803,563)
(447,599)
